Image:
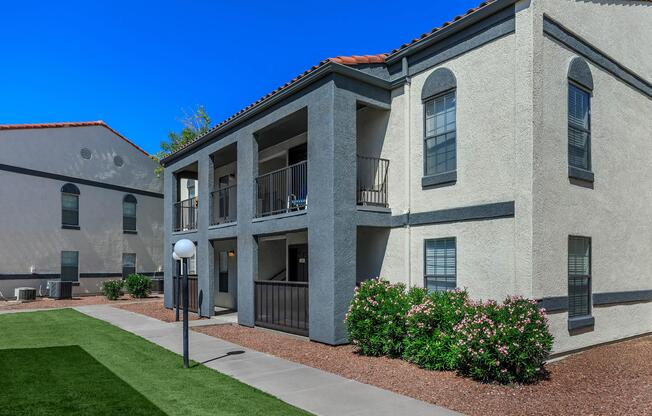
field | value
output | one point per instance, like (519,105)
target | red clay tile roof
(70,124)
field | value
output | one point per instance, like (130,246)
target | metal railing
(372,181)
(224,205)
(185,215)
(282,306)
(283,190)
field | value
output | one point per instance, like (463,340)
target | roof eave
(317,74)
(451,29)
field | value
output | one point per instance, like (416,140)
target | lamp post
(184,249)
(177,285)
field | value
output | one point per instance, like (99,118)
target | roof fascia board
(317,74)
(451,29)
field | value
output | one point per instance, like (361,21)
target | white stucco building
(506,151)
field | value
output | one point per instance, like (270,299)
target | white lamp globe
(184,248)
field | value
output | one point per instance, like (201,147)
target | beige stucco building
(80,202)
(506,152)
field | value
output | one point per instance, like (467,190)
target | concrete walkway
(305,387)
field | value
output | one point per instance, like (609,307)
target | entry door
(225,280)
(298,263)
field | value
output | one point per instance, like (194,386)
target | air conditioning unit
(25,294)
(60,290)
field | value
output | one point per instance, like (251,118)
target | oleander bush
(138,286)
(505,343)
(376,318)
(112,289)
(430,340)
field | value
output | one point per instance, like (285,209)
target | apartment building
(81,203)
(506,151)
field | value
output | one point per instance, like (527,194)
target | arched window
(129,214)
(580,88)
(70,206)
(440,131)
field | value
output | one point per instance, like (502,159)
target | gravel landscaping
(156,310)
(608,380)
(47,303)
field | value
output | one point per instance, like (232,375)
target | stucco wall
(32,207)
(620,28)
(616,212)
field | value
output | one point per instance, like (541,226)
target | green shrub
(430,339)
(376,318)
(138,286)
(112,289)
(505,343)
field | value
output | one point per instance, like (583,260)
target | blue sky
(137,65)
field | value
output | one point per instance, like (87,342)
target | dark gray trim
(70,227)
(129,232)
(439,81)
(554,303)
(476,212)
(579,71)
(52,276)
(558,32)
(34,276)
(88,182)
(581,174)
(439,179)
(622,297)
(453,28)
(580,322)
(441,50)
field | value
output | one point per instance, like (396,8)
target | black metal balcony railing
(224,205)
(185,215)
(372,181)
(283,190)
(282,306)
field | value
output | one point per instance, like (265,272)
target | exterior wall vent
(118,161)
(86,153)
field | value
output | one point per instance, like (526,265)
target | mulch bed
(156,310)
(47,303)
(614,379)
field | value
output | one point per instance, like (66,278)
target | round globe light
(184,248)
(175,257)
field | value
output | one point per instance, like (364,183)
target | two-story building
(506,151)
(80,202)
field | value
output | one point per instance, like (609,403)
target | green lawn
(65,363)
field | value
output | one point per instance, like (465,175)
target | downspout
(408,188)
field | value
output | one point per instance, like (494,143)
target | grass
(65,363)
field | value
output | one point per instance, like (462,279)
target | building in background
(80,202)
(507,151)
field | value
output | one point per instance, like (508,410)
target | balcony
(283,190)
(224,205)
(371,187)
(185,215)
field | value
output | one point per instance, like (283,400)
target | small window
(191,188)
(128,264)
(223,282)
(579,276)
(440,264)
(579,127)
(129,213)
(70,266)
(69,205)
(440,141)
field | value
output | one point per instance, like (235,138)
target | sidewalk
(311,389)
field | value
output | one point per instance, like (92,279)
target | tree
(194,125)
